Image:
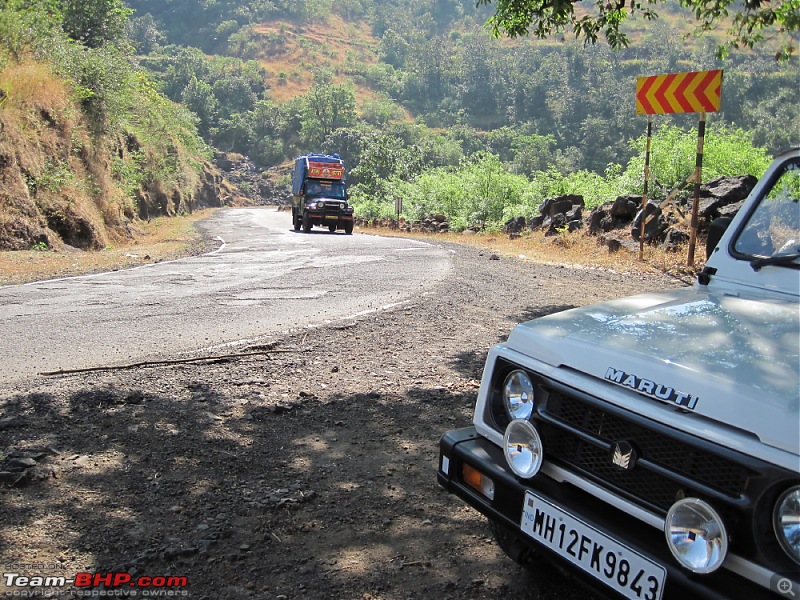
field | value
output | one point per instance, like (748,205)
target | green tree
(188,63)
(144,34)
(270,132)
(327,107)
(543,18)
(23,24)
(95,22)
(234,95)
(198,96)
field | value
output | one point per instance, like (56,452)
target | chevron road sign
(697,92)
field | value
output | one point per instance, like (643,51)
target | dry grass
(34,84)
(577,249)
(162,239)
(309,46)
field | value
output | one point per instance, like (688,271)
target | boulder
(674,240)
(560,205)
(514,226)
(624,207)
(556,224)
(600,220)
(724,195)
(655,224)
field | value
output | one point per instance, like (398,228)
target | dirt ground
(304,469)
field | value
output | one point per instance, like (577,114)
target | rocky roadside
(305,469)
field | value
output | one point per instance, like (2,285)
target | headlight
(523,448)
(342,206)
(518,395)
(696,535)
(787,522)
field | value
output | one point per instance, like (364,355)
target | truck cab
(650,445)
(319,194)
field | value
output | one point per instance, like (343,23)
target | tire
(348,228)
(306,223)
(295,220)
(331,228)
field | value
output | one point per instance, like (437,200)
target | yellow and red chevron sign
(698,91)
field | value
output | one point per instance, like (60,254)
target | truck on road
(319,194)
(650,446)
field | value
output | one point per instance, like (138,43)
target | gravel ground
(304,469)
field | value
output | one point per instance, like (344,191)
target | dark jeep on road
(319,194)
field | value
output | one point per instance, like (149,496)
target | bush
(673,152)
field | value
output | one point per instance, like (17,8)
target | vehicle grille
(329,207)
(581,434)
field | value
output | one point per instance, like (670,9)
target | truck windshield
(772,232)
(328,189)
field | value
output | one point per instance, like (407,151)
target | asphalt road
(263,280)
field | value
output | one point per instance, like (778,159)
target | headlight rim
(782,541)
(510,414)
(538,460)
(724,537)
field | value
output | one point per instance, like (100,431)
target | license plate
(334,217)
(625,570)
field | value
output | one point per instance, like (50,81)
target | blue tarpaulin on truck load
(316,166)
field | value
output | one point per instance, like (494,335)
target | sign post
(398,208)
(698,92)
(646,179)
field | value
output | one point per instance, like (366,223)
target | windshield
(773,229)
(328,189)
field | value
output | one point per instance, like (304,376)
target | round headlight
(342,206)
(523,448)
(787,522)
(696,535)
(518,395)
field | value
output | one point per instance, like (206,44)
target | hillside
(290,52)
(61,185)
(89,150)
(399,89)
(280,85)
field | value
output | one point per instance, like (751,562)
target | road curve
(263,280)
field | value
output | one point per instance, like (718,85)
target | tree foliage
(544,18)
(481,190)
(442,100)
(94,22)
(327,107)
(83,44)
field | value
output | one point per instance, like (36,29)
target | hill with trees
(403,90)
(88,146)
(415,95)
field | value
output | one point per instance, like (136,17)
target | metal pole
(646,180)
(698,179)
(398,209)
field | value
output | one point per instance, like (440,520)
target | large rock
(625,207)
(728,190)
(613,215)
(515,225)
(655,224)
(560,205)
(724,196)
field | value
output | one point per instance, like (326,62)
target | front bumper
(323,218)
(465,446)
